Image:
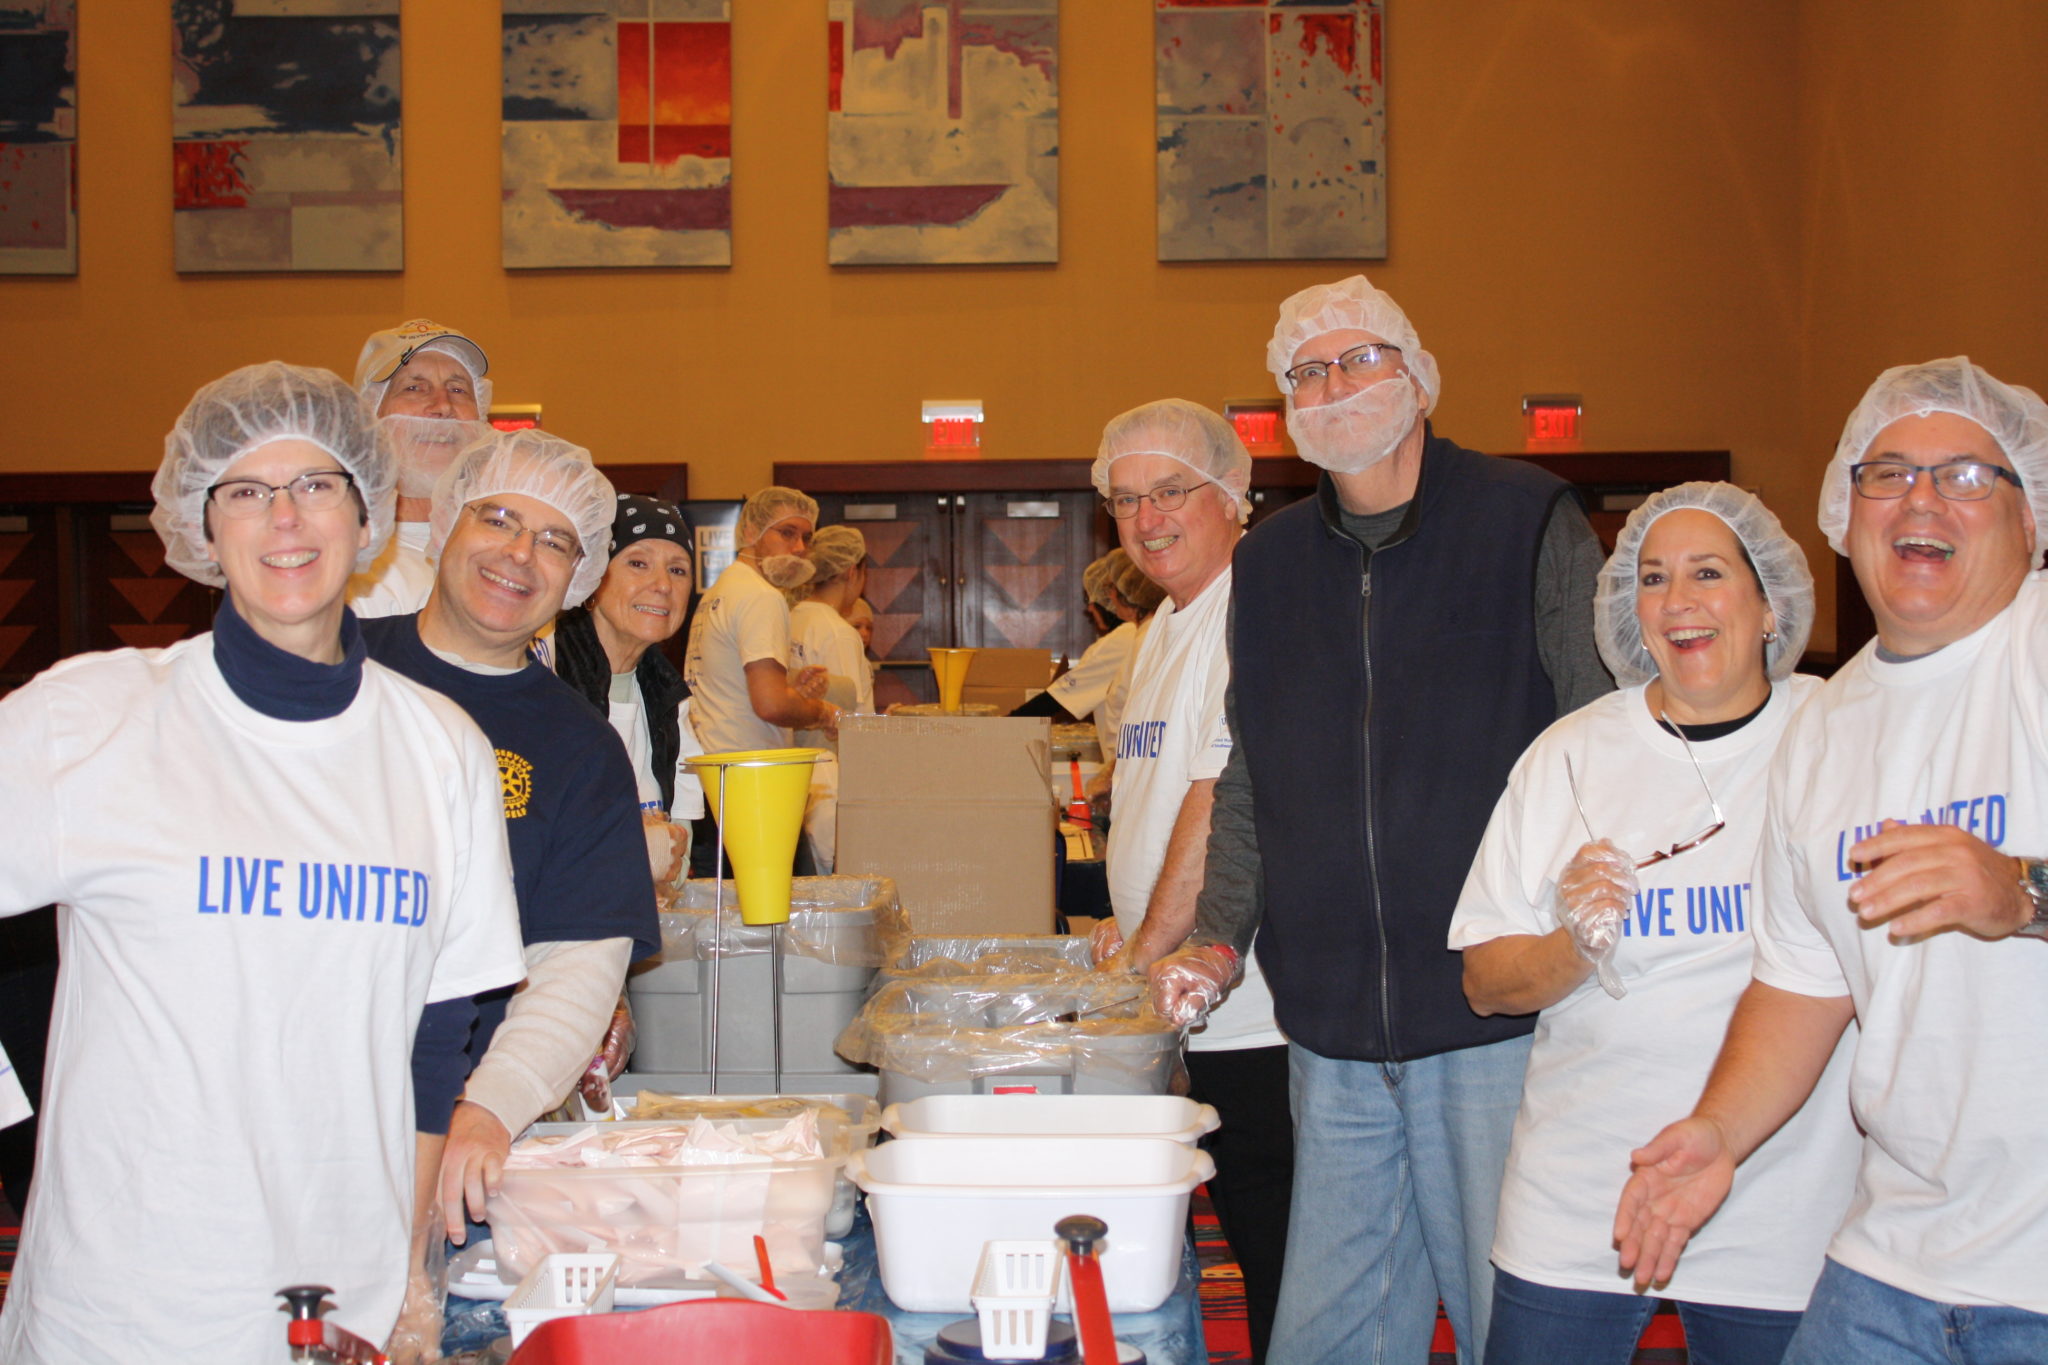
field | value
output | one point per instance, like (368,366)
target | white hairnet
(1779,563)
(1348,305)
(769,506)
(536,465)
(251,407)
(2015,417)
(1097,579)
(835,549)
(385,352)
(1186,433)
(1137,589)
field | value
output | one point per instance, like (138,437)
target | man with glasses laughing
(1899,882)
(1395,643)
(521,524)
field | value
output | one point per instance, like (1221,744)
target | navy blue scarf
(279,683)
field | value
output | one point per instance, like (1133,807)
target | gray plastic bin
(840,930)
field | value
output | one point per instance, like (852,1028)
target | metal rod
(717,924)
(775,976)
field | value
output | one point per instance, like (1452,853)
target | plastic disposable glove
(1594,893)
(1106,947)
(1188,983)
(610,1062)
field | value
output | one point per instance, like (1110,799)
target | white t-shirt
(251,915)
(740,621)
(400,579)
(1083,687)
(1172,734)
(820,637)
(627,711)
(1111,709)
(1605,1074)
(1950,1078)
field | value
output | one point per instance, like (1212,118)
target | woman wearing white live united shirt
(1636,947)
(268,854)
(1174,475)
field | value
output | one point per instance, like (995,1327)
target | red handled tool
(1080,1235)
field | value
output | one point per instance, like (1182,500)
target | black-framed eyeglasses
(506,526)
(310,492)
(1168,497)
(1360,362)
(1720,821)
(1956,480)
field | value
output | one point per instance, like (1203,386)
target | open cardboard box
(1006,678)
(958,811)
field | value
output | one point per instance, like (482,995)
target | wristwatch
(2034,881)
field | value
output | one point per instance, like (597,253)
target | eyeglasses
(314,492)
(1360,362)
(1720,821)
(1956,480)
(1168,497)
(506,526)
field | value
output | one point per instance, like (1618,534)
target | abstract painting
(618,133)
(944,145)
(38,137)
(1272,130)
(285,135)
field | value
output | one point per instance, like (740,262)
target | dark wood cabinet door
(910,553)
(1018,570)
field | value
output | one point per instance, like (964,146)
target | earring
(1770,637)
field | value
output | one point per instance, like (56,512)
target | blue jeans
(1536,1324)
(1855,1320)
(1397,1171)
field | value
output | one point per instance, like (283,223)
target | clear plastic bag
(845,921)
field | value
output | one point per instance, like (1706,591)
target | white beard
(1355,433)
(426,446)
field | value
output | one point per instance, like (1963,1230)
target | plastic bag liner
(844,921)
(949,1031)
(933,957)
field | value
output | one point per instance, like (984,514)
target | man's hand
(809,683)
(1107,949)
(1927,878)
(472,1165)
(1680,1178)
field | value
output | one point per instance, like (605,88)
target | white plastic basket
(562,1285)
(1014,1291)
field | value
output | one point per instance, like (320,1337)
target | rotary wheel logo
(515,782)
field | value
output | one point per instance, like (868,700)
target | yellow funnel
(950,667)
(758,798)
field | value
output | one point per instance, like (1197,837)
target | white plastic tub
(934,1201)
(953,1116)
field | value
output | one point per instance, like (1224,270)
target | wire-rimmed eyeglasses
(1360,362)
(314,491)
(1168,497)
(1720,821)
(507,526)
(1955,480)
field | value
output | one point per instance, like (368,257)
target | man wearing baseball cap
(426,384)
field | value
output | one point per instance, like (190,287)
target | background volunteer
(1074,694)
(426,384)
(820,636)
(1704,608)
(248,945)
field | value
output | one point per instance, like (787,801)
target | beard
(1357,431)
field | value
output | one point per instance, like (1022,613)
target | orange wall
(1623,198)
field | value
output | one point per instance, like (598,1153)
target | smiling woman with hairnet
(268,853)
(1612,893)
(746,690)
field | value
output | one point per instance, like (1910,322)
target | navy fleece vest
(1381,700)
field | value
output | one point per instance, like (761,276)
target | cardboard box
(958,811)
(1006,678)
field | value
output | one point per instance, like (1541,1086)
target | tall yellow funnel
(950,667)
(758,798)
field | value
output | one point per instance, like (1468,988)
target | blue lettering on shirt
(349,892)
(1983,816)
(1141,740)
(1706,911)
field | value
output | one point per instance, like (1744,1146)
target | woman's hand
(1594,893)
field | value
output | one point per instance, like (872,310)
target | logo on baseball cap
(388,350)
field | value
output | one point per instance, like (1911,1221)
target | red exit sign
(1552,421)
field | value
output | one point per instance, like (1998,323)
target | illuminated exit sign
(1552,421)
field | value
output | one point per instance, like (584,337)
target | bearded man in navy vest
(1395,643)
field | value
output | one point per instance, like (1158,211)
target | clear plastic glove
(416,1339)
(1105,942)
(610,1062)
(1593,896)
(810,683)
(1188,983)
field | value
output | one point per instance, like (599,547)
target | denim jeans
(1855,1320)
(1536,1324)
(1397,1171)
